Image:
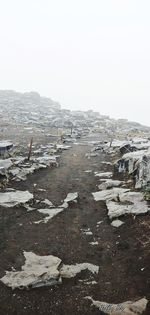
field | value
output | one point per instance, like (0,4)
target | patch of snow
(41,271)
(47,202)
(108,194)
(28,207)
(137,205)
(70,271)
(50,213)
(63,147)
(106,174)
(126,308)
(14,198)
(36,272)
(99,222)
(94,243)
(117,223)
(71,197)
(109,183)
(87,231)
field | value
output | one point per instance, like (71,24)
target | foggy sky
(83,53)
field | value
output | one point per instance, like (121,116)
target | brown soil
(121,253)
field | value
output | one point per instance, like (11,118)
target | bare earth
(121,253)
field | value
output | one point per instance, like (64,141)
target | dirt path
(121,253)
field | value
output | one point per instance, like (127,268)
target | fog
(85,54)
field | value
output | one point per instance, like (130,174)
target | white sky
(83,53)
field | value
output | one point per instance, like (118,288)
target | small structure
(5,147)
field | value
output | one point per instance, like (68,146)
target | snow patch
(14,198)
(126,308)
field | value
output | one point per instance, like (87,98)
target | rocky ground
(122,254)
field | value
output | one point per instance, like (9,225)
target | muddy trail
(122,254)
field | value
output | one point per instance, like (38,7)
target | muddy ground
(121,253)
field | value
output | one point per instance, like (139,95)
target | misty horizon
(87,55)
(77,109)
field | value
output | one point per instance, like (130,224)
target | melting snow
(71,197)
(70,271)
(108,194)
(106,174)
(43,271)
(94,243)
(36,272)
(126,308)
(109,183)
(13,198)
(50,213)
(120,201)
(117,223)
